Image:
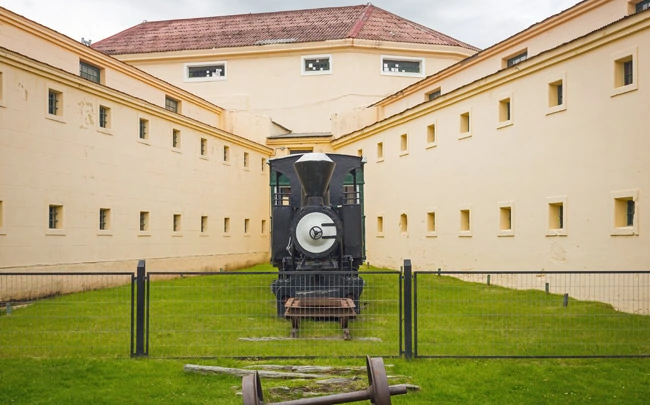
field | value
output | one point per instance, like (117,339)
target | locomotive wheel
(378,381)
(252,390)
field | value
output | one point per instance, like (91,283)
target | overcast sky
(481,23)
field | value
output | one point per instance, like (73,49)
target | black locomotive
(317,226)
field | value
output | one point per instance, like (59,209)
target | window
(465,129)
(404,144)
(226,225)
(90,72)
(625,71)
(176,223)
(360,152)
(555,95)
(314,65)
(431,136)
(176,138)
(204,147)
(104,117)
(505,110)
(263,165)
(104,219)
(246,159)
(506,221)
(144,221)
(199,72)
(465,221)
(513,60)
(144,129)
(226,153)
(642,6)
(402,66)
(1,216)
(403,223)
(557,220)
(380,151)
(54,102)
(380,225)
(246,226)
(625,212)
(298,151)
(204,224)
(431,223)
(172,104)
(55,218)
(434,94)
(1,87)
(263,226)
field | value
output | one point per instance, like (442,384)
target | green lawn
(75,348)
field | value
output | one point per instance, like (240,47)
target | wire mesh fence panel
(65,314)
(526,314)
(235,314)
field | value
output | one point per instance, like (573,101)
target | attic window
(198,72)
(402,66)
(316,65)
(513,60)
(89,72)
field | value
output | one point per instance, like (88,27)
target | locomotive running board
(320,307)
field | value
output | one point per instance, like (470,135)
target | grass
(74,348)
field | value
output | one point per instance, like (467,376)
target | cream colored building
(528,155)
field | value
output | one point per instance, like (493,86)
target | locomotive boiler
(317,227)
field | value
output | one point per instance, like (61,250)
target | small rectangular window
(2,84)
(144,221)
(226,225)
(104,219)
(465,224)
(144,129)
(172,105)
(205,71)
(400,66)
(505,110)
(204,147)
(226,153)
(465,128)
(556,93)
(404,144)
(625,212)
(380,151)
(642,6)
(518,58)
(54,99)
(624,71)
(176,138)
(246,159)
(104,117)
(431,135)
(403,223)
(380,225)
(321,64)
(360,152)
(505,224)
(1,215)
(434,94)
(263,165)
(263,226)
(55,220)
(176,223)
(431,222)
(557,219)
(204,224)
(246,226)
(90,72)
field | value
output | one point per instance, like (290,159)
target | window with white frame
(209,71)
(315,65)
(402,66)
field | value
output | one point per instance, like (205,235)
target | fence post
(408,310)
(140,310)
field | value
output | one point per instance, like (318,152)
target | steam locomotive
(317,226)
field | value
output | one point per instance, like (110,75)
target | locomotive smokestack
(314,171)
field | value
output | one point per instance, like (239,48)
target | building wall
(69,161)
(585,154)
(271,82)
(556,30)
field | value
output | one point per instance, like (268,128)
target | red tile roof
(313,25)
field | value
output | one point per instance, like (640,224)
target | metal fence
(532,314)
(234,314)
(66,314)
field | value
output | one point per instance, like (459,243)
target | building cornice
(48,72)
(93,56)
(511,42)
(596,39)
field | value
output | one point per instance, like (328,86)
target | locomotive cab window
(352,187)
(280,189)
